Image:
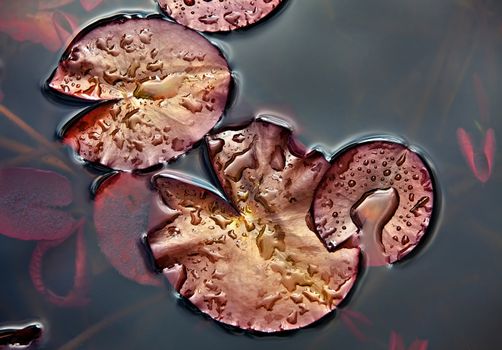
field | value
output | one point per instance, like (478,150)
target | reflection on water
(340,70)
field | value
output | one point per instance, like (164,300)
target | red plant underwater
(479,159)
(396,342)
(45,22)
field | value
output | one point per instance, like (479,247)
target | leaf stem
(108,321)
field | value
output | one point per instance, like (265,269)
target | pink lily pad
(121,215)
(217,16)
(378,194)
(166,87)
(34,204)
(253,261)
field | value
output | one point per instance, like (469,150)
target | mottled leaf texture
(252,261)
(378,194)
(34,204)
(166,87)
(217,15)
(121,212)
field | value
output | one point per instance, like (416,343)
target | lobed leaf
(34,204)
(166,87)
(217,16)
(252,261)
(121,214)
(378,194)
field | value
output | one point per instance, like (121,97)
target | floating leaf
(379,193)
(121,213)
(33,204)
(77,296)
(252,261)
(167,87)
(216,16)
(481,166)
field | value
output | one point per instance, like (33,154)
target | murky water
(337,70)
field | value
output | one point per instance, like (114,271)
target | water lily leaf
(166,85)
(252,261)
(379,194)
(34,204)
(217,16)
(121,214)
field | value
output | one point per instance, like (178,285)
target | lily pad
(218,16)
(378,194)
(34,204)
(251,260)
(122,209)
(166,87)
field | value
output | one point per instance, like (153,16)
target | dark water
(338,70)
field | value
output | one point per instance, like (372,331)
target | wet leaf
(378,194)
(77,296)
(167,87)
(121,212)
(216,16)
(34,204)
(480,165)
(252,261)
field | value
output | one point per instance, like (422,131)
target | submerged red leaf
(353,320)
(396,342)
(481,166)
(252,261)
(216,16)
(77,296)
(167,87)
(121,213)
(90,5)
(34,21)
(34,204)
(379,193)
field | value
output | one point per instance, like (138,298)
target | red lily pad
(378,194)
(34,204)
(166,85)
(217,16)
(252,261)
(121,215)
